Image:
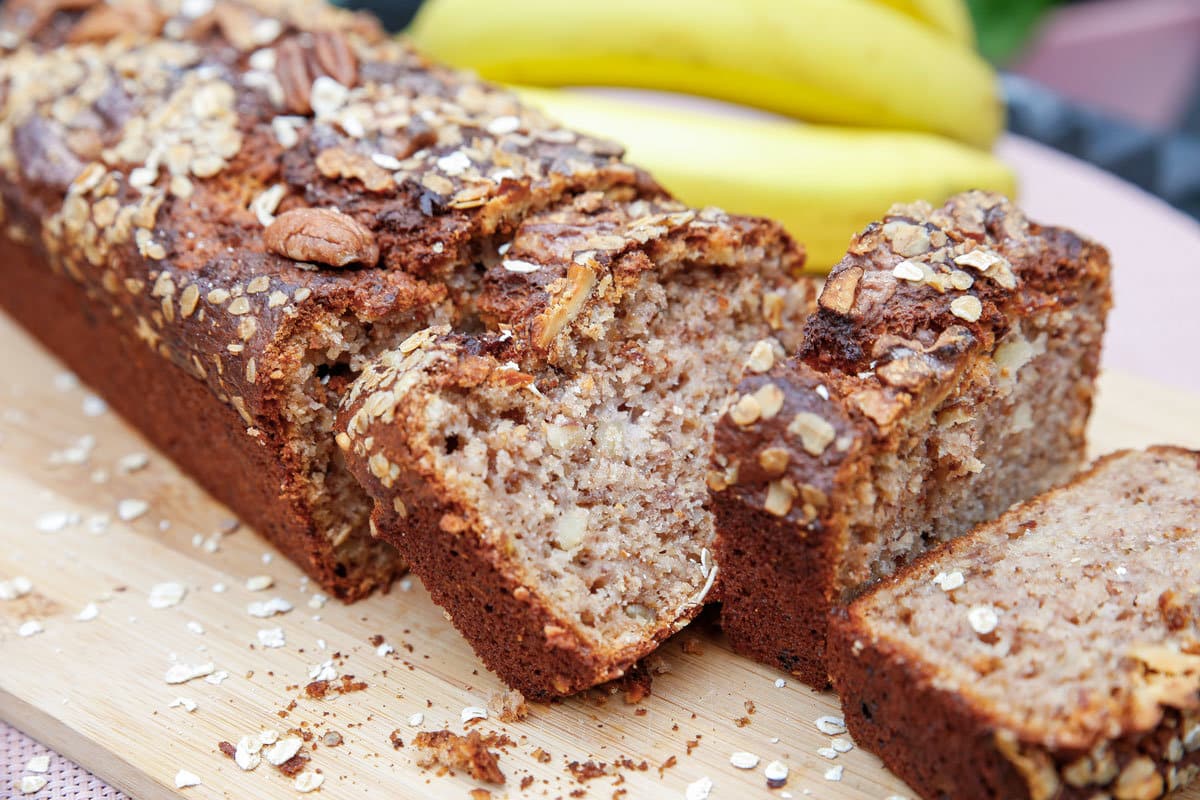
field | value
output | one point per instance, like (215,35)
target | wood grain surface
(95,690)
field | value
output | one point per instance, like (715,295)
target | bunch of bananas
(896,105)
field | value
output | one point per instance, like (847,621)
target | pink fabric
(65,780)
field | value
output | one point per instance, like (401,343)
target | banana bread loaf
(947,374)
(545,478)
(217,212)
(1053,653)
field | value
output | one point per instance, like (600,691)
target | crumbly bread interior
(1078,615)
(594,486)
(1000,437)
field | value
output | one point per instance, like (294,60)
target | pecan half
(321,235)
(106,22)
(291,69)
(334,57)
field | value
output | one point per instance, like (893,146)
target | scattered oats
(827,752)
(32,783)
(776,773)
(387,162)
(54,521)
(743,760)
(268,608)
(286,130)
(455,163)
(502,125)
(195,627)
(30,628)
(830,725)
(258,583)
(320,642)
(246,755)
(983,619)
(327,96)
(263,60)
(834,773)
(268,737)
(949,581)
(89,613)
(762,357)
(822,392)
(384,649)
(165,595)
(780,683)
(1121,571)
(16,587)
(186,703)
(908,270)
(308,781)
(130,509)
(473,712)
(38,764)
(184,779)
(182,673)
(283,750)
(271,637)
(700,789)
(416,719)
(194,9)
(842,745)
(516,265)
(66,381)
(318,600)
(217,677)
(94,406)
(132,463)
(218,588)
(266,203)
(967,308)
(324,671)
(266,30)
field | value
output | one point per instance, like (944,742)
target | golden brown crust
(944,744)
(891,340)
(145,150)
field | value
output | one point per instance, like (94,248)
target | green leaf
(1004,26)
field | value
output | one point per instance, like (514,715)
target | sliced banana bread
(947,374)
(545,479)
(215,212)
(1052,653)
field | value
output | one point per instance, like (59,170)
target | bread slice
(545,478)
(1053,653)
(947,374)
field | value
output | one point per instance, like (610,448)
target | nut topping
(816,434)
(841,290)
(334,57)
(323,236)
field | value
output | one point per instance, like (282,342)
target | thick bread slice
(547,482)
(948,374)
(1053,653)
(145,148)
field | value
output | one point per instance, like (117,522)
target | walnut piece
(323,236)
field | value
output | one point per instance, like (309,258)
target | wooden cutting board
(95,690)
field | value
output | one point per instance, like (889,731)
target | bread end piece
(1124,726)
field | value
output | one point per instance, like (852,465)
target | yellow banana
(822,183)
(950,17)
(839,61)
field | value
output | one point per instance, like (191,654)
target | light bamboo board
(95,690)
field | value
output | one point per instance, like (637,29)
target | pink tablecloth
(1157,255)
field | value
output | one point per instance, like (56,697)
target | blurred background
(1113,82)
